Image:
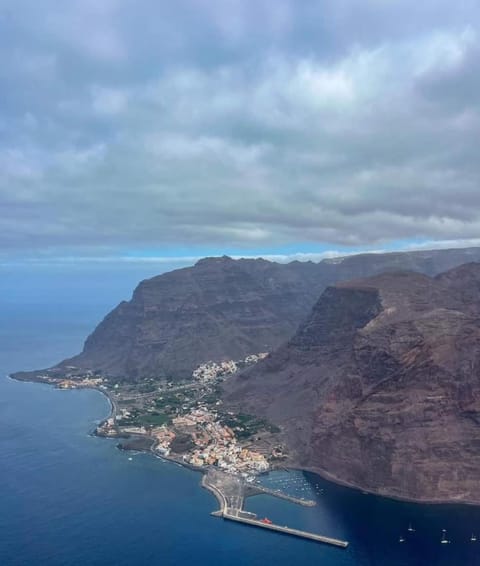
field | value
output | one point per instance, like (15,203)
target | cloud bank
(237,124)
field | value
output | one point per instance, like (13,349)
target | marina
(231,492)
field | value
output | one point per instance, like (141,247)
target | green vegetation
(274,429)
(246,426)
(170,400)
(213,396)
(147,388)
(154,419)
(137,418)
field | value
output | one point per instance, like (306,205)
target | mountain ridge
(222,308)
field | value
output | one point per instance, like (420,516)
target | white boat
(410,528)
(401,539)
(444,537)
(473,538)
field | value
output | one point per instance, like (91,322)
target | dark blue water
(67,498)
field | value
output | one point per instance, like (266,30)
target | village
(194,429)
(183,420)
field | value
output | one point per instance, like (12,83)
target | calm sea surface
(67,498)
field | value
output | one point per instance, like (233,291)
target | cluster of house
(229,457)
(164,437)
(215,444)
(212,443)
(210,371)
(79,383)
(107,428)
(254,358)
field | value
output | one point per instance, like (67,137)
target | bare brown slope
(218,309)
(380,388)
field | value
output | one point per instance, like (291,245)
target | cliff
(217,309)
(380,387)
(225,309)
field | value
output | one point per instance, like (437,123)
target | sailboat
(473,538)
(444,537)
(401,539)
(410,528)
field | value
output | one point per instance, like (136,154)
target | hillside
(380,387)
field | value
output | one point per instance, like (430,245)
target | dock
(258,489)
(231,492)
(254,522)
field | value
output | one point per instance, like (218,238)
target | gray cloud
(237,124)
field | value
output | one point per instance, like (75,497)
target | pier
(254,522)
(258,489)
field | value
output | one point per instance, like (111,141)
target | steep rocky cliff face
(380,387)
(223,309)
(218,309)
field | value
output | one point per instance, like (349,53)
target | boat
(473,538)
(444,539)
(410,528)
(401,539)
(267,521)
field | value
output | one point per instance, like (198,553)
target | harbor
(231,492)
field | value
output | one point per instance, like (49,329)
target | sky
(138,136)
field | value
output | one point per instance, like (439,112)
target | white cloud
(442,50)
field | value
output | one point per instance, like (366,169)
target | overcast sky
(146,130)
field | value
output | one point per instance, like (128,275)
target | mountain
(380,387)
(218,309)
(226,309)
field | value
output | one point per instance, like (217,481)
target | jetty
(255,522)
(231,493)
(258,489)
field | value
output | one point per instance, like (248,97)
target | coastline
(338,481)
(151,450)
(285,466)
(113,414)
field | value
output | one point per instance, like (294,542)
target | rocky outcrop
(380,387)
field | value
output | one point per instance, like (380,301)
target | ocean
(68,498)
